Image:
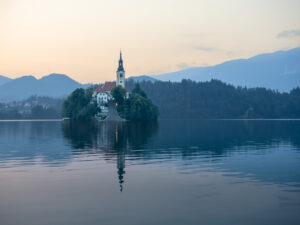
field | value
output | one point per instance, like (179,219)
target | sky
(83,38)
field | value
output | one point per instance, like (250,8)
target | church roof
(107,86)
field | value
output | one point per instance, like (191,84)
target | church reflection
(114,140)
(187,140)
(121,169)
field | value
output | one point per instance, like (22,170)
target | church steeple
(121,73)
(120,68)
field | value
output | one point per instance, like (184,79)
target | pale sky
(82,38)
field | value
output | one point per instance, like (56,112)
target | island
(110,101)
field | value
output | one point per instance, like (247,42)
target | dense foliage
(79,105)
(137,107)
(214,99)
(119,95)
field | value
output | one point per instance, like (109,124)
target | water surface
(169,172)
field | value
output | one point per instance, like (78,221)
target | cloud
(155,72)
(183,65)
(229,53)
(288,34)
(206,49)
(210,49)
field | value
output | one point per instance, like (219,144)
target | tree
(214,99)
(140,108)
(136,107)
(79,105)
(119,94)
(39,112)
(137,90)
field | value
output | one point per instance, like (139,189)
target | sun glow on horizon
(83,38)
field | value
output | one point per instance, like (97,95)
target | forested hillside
(35,107)
(183,100)
(214,99)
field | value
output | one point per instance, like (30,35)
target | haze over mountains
(4,79)
(142,78)
(53,85)
(279,71)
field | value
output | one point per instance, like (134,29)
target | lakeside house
(102,93)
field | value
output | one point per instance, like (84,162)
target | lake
(167,172)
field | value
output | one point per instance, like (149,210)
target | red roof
(107,86)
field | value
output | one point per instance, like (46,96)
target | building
(121,73)
(102,94)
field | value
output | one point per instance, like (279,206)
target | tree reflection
(186,142)
(114,139)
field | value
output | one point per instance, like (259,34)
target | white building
(102,93)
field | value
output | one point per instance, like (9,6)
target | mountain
(53,85)
(142,78)
(4,79)
(279,70)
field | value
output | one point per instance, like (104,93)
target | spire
(120,68)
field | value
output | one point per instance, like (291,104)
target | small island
(110,101)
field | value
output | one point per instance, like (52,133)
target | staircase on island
(113,114)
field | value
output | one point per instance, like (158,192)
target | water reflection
(109,136)
(112,139)
(266,150)
(25,142)
(260,149)
(169,172)
(216,137)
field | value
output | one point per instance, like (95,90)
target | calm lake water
(170,172)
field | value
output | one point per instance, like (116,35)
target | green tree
(119,95)
(79,105)
(215,99)
(137,90)
(140,108)
(136,107)
(39,112)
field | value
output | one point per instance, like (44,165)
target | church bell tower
(121,73)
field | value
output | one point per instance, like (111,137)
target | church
(102,93)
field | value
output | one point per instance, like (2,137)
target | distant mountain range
(142,78)
(4,79)
(279,70)
(53,85)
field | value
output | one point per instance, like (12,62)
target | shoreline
(61,120)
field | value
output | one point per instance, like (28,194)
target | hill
(4,79)
(34,107)
(142,78)
(279,71)
(53,85)
(217,100)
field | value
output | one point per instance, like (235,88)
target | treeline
(182,100)
(214,99)
(35,107)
